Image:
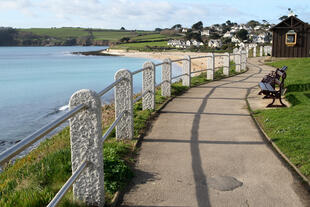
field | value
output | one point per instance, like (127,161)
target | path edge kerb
(296,172)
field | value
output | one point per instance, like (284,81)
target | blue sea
(36,84)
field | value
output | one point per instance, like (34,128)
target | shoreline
(197,64)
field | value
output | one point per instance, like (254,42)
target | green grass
(35,179)
(141,46)
(289,127)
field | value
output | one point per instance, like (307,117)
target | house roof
(291,22)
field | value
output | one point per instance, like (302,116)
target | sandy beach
(197,64)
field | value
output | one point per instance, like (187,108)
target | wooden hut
(291,38)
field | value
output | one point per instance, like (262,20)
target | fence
(86,125)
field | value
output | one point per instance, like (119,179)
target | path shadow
(201,187)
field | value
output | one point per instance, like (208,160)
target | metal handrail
(159,84)
(109,87)
(23,144)
(178,60)
(198,57)
(61,193)
(113,125)
(178,76)
(140,70)
(199,71)
(139,97)
(158,64)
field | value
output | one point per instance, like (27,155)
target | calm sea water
(37,82)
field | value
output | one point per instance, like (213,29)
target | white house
(184,30)
(197,43)
(215,43)
(205,32)
(228,34)
(235,39)
(262,38)
(188,43)
(257,27)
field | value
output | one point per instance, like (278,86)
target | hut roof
(291,22)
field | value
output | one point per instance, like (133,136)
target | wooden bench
(272,86)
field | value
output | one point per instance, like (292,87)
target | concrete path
(205,150)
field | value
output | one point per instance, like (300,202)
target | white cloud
(137,14)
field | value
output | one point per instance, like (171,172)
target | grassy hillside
(289,127)
(71,32)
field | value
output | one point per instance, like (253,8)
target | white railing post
(265,51)
(254,51)
(186,70)
(247,51)
(238,61)
(148,84)
(261,51)
(210,66)
(226,64)
(166,78)
(86,133)
(123,95)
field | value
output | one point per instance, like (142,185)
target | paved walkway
(205,150)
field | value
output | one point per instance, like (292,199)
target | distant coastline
(197,64)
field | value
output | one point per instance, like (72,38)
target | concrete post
(261,51)
(238,61)
(247,51)
(123,94)
(186,69)
(210,66)
(226,61)
(166,78)
(265,51)
(254,51)
(85,137)
(243,60)
(148,84)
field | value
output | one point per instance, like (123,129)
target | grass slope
(72,32)
(289,127)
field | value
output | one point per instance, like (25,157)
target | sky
(143,14)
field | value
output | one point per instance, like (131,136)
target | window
(291,38)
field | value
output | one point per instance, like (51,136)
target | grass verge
(35,179)
(289,127)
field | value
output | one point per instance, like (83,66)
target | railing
(85,121)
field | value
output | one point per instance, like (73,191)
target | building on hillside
(228,34)
(257,27)
(197,43)
(261,38)
(215,43)
(235,39)
(291,38)
(205,32)
(184,30)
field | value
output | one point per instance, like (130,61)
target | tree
(190,35)
(177,27)
(7,36)
(283,17)
(242,34)
(123,28)
(124,39)
(253,23)
(229,23)
(158,29)
(198,26)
